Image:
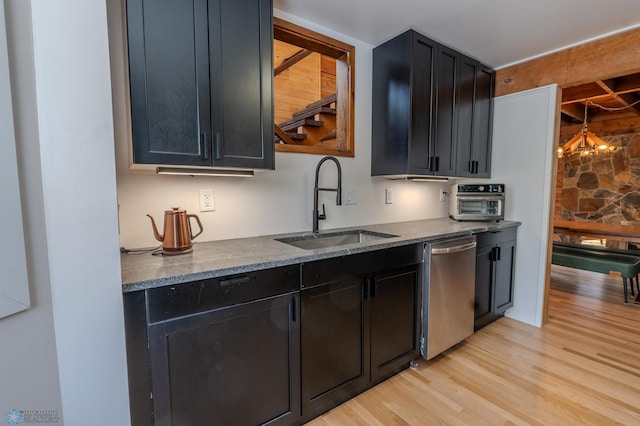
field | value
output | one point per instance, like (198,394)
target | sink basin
(334,239)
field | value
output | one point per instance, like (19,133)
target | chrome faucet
(316,214)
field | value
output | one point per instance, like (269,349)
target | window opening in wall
(313,92)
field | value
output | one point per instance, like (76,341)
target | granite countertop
(226,257)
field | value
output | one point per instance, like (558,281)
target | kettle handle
(199,225)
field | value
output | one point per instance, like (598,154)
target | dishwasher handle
(454,249)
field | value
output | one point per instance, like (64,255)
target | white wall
(29,362)
(74,192)
(14,287)
(523,158)
(274,201)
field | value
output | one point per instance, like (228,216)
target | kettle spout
(155,230)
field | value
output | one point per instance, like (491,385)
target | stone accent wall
(603,188)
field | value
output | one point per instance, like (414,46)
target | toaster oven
(476,201)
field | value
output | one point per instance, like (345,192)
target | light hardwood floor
(582,368)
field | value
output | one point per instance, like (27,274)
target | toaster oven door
(479,208)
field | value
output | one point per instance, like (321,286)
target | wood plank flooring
(582,368)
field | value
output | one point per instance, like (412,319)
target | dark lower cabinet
(272,347)
(233,365)
(335,363)
(393,321)
(359,323)
(495,261)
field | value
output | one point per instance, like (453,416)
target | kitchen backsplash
(273,202)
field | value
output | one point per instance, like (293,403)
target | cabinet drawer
(197,296)
(497,236)
(323,271)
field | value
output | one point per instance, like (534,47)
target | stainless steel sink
(311,241)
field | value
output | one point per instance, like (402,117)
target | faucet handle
(322,216)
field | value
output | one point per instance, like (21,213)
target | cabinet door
(335,344)
(483,120)
(241,83)
(474,115)
(484,286)
(394,336)
(465,151)
(169,84)
(422,95)
(237,365)
(444,141)
(505,261)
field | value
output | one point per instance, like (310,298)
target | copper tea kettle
(177,231)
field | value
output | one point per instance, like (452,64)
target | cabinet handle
(494,254)
(434,164)
(499,254)
(235,281)
(217,146)
(475,167)
(293,310)
(204,146)
(470,166)
(372,288)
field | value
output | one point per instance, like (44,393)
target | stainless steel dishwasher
(448,294)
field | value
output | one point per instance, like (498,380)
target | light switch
(351,196)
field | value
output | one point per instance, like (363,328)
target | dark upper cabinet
(444,141)
(475,109)
(495,261)
(201,82)
(428,118)
(402,105)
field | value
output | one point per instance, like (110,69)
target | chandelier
(585,143)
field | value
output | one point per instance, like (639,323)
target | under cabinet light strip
(203,172)
(417,178)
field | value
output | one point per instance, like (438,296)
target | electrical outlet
(207,200)
(443,196)
(388,196)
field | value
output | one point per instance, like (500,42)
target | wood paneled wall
(613,56)
(305,82)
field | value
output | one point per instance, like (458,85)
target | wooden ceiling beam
(291,61)
(575,111)
(628,83)
(629,99)
(608,86)
(613,56)
(581,93)
(625,99)
(603,128)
